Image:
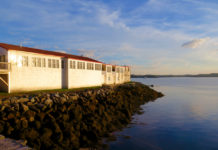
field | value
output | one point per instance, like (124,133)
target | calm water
(186,118)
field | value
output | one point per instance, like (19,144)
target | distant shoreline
(167,76)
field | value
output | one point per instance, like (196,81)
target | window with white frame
(25,61)
(80,65)
(117,70)
(121,70)
(72,64)
(53,63)
(98,67)
(34,61)
(2,58)
(38,62)
(109,69)
(43,62)
(90,66)
(49,63)
(57,63)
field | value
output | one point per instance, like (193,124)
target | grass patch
(4,94)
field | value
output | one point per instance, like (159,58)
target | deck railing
(5,66)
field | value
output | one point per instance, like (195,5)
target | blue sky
(152,36)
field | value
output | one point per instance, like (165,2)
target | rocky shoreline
(72,119)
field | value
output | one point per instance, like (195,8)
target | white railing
(4,66)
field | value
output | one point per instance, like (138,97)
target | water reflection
(185,118)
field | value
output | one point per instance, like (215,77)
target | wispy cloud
(195,43)
(86,53)
(112,19)
(145,34)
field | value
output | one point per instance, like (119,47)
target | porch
(4,76)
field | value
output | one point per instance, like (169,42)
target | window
(109,69)
(2,58)
(43,62)
(38,62)
(49,63)
(121,70)
(57,63)
(72,65)
(113,68)
(81,65)
(53,63)
(97,66)
(34,61)
(90,66)
(84,65)
(118,70)
(103,67)
(25,61)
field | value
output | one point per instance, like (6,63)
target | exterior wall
(29,78)
(127,75)
(83,77)
(109,79)
(119,76)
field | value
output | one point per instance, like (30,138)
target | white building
(29,69)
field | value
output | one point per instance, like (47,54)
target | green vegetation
(5,94)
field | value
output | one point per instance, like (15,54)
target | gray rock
(3,107)
(48,102)
(63,100)
(6,101)
(74,98)
(32,100)
(23,100)
(24,107)
(13,100)
(56,95)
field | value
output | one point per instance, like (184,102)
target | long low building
(30,69)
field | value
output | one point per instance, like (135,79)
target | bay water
(186,118)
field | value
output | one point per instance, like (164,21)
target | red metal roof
(46,52)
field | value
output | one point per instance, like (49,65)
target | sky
(151,36)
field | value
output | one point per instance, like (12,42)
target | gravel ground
(9,144)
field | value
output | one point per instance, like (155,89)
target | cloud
(87,53)
(61,51)
(146,35)
(195,43)
(111,18)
